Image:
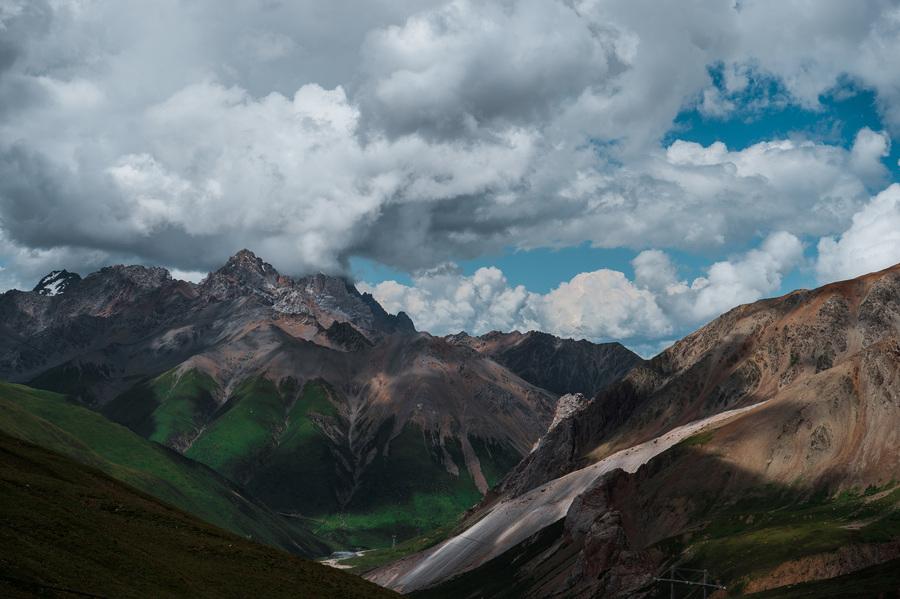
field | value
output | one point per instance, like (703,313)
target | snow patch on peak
(55,283)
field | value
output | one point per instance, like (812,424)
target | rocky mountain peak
(243,272)
(56,282)
(247,262)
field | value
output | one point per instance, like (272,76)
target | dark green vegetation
(169,409)
(69,529)
(74,380)
(300,473)
(408,491)
(284,444)
(49,420)
(267,438)
(767,528)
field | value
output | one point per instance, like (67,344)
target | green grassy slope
(275,445)
(49,420)
(406,492)
(169,409)
(271,439)
(71,530)
(247,427)
(301,473)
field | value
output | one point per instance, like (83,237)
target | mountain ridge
(269,378)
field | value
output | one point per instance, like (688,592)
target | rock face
(301,389)
(559,365)
(804,461)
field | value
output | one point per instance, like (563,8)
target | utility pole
(688,577)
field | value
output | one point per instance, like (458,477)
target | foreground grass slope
(49,420)
(69,530)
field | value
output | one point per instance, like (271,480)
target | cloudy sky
(599,169)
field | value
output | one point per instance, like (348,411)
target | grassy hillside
(302,454)
(271,438)
(49,420)
(71,530)
(407,492)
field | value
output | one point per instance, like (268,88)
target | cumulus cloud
(868,149)
(871,243)
(727,283)
(600,305)
(471,65)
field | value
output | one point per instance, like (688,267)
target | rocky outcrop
(567,406)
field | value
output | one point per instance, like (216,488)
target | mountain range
(304,392)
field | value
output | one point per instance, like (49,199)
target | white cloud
(187,275)
(602,304)
(728,283)
(596,305)
(599,305)
(868,149)
(756,274)
(467,65)
(871,243)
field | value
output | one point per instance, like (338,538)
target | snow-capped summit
(56,282)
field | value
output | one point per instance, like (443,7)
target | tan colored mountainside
(769,496)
